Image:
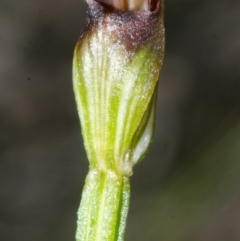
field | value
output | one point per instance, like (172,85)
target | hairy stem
(104,206)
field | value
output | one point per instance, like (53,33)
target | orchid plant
(116,67)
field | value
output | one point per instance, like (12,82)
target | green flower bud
(117,62)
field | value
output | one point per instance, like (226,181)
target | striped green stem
(104,206)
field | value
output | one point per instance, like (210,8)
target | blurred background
(187,188)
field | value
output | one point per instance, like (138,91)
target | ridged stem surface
(104,206)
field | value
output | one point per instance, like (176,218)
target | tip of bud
(130,5)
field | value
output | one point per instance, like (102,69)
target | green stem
(104,206)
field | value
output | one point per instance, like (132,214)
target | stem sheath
(104,206)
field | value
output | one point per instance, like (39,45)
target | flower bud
(116,67)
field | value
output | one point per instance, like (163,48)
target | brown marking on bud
(131,29)
(153,5)
(135,29)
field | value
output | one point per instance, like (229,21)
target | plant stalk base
(104,207)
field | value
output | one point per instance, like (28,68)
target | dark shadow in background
(43,163)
